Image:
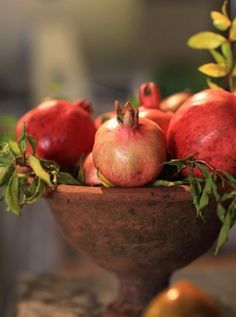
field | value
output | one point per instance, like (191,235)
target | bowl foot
(134,294)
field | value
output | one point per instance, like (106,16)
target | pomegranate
(90,171)
(175,101)
(129,151)
(149,97)
(63,130)
(182,299)
(84,104)
(205,127)
(158,116)
(104,117)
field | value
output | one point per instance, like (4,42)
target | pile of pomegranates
(131,144)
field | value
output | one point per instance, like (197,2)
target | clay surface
(141,234)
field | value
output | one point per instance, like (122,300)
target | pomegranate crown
(128,116)
(149,95)
(84,104)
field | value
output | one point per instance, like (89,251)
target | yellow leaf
(232,33)
(220,21)
(224,8)
(105,182)
(14,147)
(36,166)
(213,70)
(212,85)
(234,71)
(218,57)
(206,40)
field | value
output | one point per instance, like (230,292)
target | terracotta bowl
(141,234)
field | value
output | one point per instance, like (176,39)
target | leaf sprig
(221,48)
(213,183)
(24,177)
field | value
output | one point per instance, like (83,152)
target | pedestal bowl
(140,234)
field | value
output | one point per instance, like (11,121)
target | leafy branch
(24,177)
(220,46)
(213,183)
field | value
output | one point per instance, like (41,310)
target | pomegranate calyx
(84,104)
(149,95)
(127,117)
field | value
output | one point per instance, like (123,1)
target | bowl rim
(180,193)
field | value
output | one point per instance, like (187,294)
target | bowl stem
(135,292)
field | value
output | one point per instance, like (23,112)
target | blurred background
(100,50)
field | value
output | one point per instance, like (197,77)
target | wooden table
(84,290)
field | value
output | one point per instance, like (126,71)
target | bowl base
(135,292)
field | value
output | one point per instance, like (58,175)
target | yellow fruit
(182,299)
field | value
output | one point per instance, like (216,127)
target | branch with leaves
(221,47)
(206,187)
(24,177)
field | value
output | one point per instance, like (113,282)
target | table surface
(84,290)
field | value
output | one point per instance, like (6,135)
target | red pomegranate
(129,151)
(160,117)
(175,101)
(90,171)
(149,97)
(104,117)
(205,127)
(63,130)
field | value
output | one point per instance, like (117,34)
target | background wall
(101,50)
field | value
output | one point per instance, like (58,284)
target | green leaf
(221,211)
(215,189)
(212,85)
(196,190)
(23,132)
(227,52)
(34,191)
(179,164)
(14,147)
(166,183)
(228,222)
(24,139)
(5,173)
(36,166)
(214,70)
(206,192)
(230,178)
(206,40)
(232,33)
(220,21)
(33,143)
(12,195)
(22,143)
(6,155)
(66,178)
